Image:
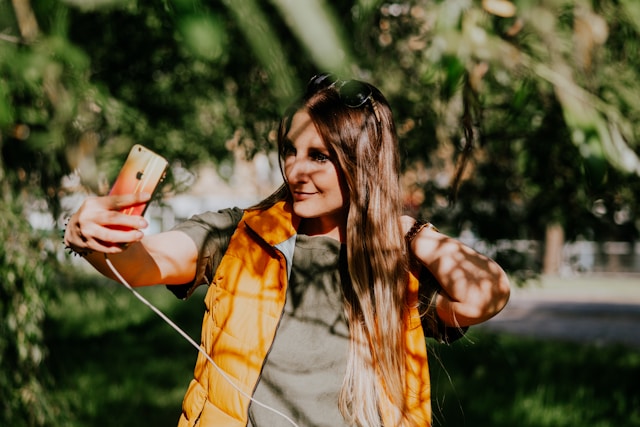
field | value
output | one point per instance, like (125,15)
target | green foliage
(42,91)
(541,106)
(506,88)
(114,361)
(172,78)
(25,280)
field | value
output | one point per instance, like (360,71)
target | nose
(296,169)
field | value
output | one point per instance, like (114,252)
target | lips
(299,196)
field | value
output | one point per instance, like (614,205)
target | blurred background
(518,125)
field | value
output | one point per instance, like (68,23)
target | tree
(534,97)
(33,111)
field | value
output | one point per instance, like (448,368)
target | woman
(314,305)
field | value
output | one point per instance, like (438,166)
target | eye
(319,156)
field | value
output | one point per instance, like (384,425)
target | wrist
(70,247)
(417,227)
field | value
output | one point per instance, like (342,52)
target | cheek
(342,188)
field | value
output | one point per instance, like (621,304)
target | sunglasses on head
(352,93)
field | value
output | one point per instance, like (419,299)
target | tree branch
(26,20)
(10,39)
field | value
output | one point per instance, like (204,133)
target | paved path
(595,309)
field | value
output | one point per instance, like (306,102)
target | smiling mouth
(300,195)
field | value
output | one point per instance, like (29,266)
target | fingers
(111,236)
(100,226)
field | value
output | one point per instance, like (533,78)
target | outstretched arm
(474,287)
(98,228)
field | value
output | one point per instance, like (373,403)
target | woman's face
(313,176)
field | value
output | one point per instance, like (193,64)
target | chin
(304,212)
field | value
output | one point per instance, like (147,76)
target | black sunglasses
(353,93)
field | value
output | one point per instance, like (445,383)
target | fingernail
(142,223)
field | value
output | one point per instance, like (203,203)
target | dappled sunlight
(475,288)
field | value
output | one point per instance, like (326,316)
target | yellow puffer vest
(243,308)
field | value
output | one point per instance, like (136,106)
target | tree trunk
(554,242)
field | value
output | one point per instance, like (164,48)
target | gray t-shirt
(305,368)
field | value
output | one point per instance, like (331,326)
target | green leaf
(203,35)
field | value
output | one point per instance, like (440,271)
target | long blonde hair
(364,142)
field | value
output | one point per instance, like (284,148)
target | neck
(324,227)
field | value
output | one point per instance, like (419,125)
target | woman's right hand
(99,226)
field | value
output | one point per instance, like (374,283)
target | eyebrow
(324,150)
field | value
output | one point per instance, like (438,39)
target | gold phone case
(142,172)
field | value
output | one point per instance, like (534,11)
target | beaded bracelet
(416,228)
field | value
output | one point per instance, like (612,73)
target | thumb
(126,200)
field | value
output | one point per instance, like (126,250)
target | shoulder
(219,220)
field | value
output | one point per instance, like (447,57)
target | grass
(115,363)
(500,380)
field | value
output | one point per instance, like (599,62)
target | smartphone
(142,172)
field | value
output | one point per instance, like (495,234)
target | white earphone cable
(192,342)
